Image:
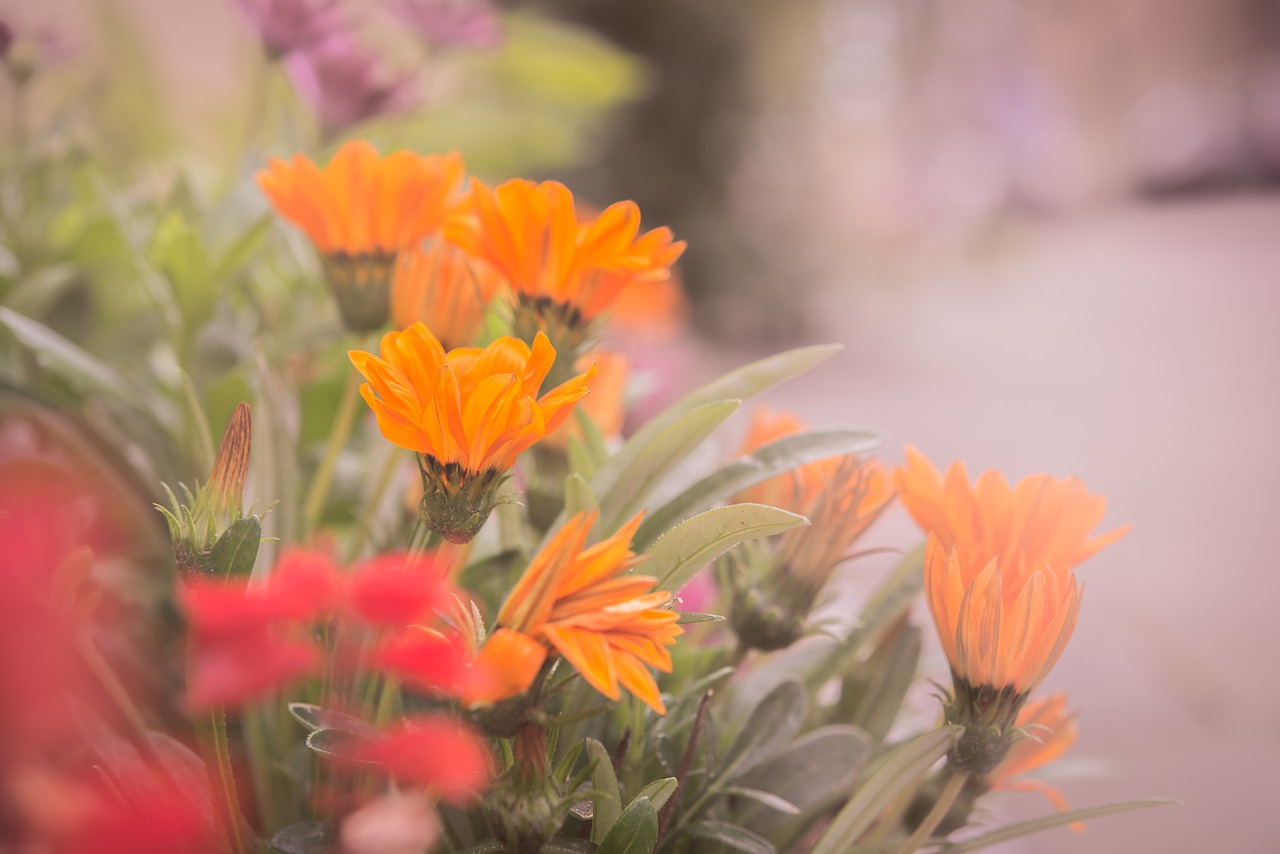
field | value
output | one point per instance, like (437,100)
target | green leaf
(750,380)
(66,358)
(577,495)
(623,491)
(236,550)
(315,717)
(659,792)
(811,772)
(492,847)
(766,462)
(768,799)
(337,744)
(901,767)
(773,722)
(242,249)
(307,837)
(687,617)
(736,837)
(889,602)
(635,831)
(691,545)
(608,800)
(1036,825)
(889,674)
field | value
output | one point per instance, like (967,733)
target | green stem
(211,736)
(941,806)
(342,424)
(385,477)
(260,760)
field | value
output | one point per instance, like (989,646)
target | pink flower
(343,84)
(286,26)
(450,23)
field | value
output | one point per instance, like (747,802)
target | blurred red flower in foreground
(250,640)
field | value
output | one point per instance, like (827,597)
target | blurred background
(1045,231)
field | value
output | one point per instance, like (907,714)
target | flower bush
(458,616)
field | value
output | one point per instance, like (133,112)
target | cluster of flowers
(409,684)
(340,79)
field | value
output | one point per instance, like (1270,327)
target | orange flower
(841,497)
(444,289)
(584,603)
(606,405)
(467,413)
(999,584)
(564,271)
(361,211)
(1051,731)
(651,310)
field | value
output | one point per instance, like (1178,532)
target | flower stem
(955,782)
(342,424)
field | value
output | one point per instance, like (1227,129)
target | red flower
(397,590)
(433,753)
(246,667)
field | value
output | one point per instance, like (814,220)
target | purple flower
(343,85)
(287,26)
(450,23)
(6,39)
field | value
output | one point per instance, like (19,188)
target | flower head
(450,23)
(841,497)
(565,271)
(999,584)
(467,413)
(285,26)
(1050,732)
(361,211)
(444,289)
(343,83)
(586,605)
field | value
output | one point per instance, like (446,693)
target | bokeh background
(1046,232)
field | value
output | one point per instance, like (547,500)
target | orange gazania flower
(841,497)
(360,212)
(606,405)
(562,268)
(584,604)
(467,413)
(444,289)
(1051,731)
(999,582)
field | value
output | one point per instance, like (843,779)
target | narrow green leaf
(659,792)
(337,744)
(766,462)
(491,847)
(1026,828)
(306,837)
(315,717)
(812,772)
(236,550)
(687,617)
(635,831)
(760,796)
(773,722)
(623,492)
(197,425)
(580,459)
(898,769)
(736,837)
(892,671)
(608,800)
(691,545)
(68,359)
(752,379)
(577,495)
(890,600)
(242,249)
